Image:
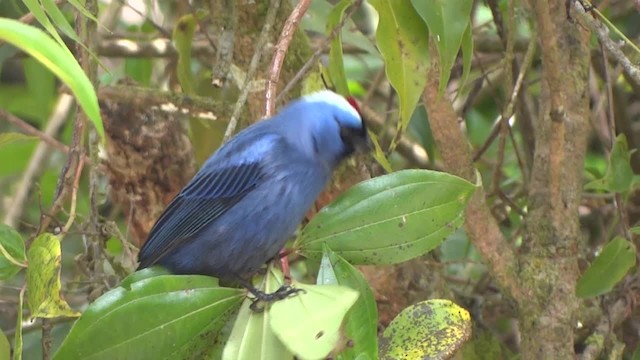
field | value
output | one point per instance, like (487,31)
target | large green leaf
(361,323)
(448,20)
(153,318)
(389,219)
(432,329)
(403,40)
(309,322)
(57,59)
(611,265)
(12,254)
(252,337)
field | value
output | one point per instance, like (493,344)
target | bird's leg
(284,263)
(260,296)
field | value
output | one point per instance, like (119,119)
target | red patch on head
(351,100)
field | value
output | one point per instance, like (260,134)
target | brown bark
(481,227)
(542,278)
(549,264)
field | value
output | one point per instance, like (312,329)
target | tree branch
(480,225)
(281,49)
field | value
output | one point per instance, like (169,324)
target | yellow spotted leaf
(43,279)
(432,329)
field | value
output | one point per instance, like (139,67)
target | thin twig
(618,200)
(509,108)
(30,130)
(274,5)
(46,338)
(160,29)
(146,97)
(324,45)
(607,80)
(602,34)
(89,64)
(39,157)
(509,39)
(281,48)
(74,197)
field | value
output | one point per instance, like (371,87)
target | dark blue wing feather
(209,195)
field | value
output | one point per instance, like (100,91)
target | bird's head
(328,126)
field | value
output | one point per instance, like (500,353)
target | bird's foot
(262,298)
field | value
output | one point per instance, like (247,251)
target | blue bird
(250,196)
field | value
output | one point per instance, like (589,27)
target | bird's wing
(209,195)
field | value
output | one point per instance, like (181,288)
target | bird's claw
(261,297)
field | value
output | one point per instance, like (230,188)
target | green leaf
(467,54)
(12,253)
(379,154)
(5,347)
(183,40)
(57,59)
(432,329)
(61,23)
(619,177)
(140,70)
(336,62)
(448,20)
(9,137)
(17,339)
(157,317)
(149,273)
(361,322)
(38,12)
(309,322)
(80,7)
(60,20)
(43,279)
(403,40)
(388,219)
(609,267)
(252,337)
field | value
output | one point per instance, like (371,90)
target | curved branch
(281,48)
